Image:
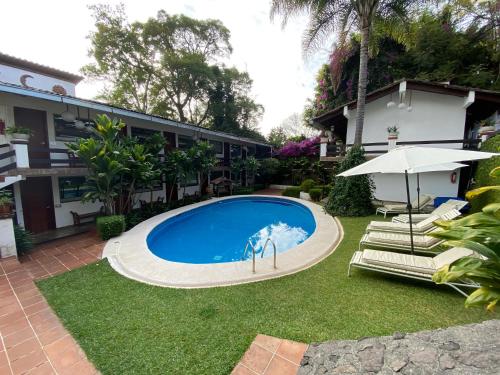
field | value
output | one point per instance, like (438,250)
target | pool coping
(130,256)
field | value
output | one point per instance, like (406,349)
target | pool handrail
(274,249)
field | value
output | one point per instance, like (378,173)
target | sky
(55,33)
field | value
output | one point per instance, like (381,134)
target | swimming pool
(201,245)
(218,232)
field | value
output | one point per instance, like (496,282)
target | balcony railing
(55,158)
(7,158)
(376,148)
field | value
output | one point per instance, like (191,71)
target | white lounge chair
(443,208)
(423,227)
(411,266)
(425,200)
(400,241)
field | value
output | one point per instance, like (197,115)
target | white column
(323,146)
(22,159)
(391,143)
(7,238)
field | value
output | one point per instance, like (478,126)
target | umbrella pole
(408,206)
(418,191)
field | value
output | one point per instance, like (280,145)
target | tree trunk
(362,83)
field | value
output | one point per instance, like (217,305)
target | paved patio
(269,355)
(32,339)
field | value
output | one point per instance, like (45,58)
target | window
(185,142)
(218,147)
(235,151)
(191,179)
(71,131)
(157,185)
(143,133)
(251,151)
(72,188)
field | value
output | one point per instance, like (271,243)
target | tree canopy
(171,66)
(448,44)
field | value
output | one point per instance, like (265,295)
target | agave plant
(479,232)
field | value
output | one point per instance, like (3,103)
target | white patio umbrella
(414,159)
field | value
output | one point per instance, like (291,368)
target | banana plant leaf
(484,296)
(474,193)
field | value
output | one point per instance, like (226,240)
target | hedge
(243,190)
(110,226)
(292,191)
(483,178)
(316,194)
(307,185)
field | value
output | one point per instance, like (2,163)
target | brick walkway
(32,339)
(269,355)
(268,192)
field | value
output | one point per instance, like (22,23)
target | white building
(41,173)
(426,114)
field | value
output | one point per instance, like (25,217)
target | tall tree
(342,16)
(170,66)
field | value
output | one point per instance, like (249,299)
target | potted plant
(393,132)
(19,133)
(486,126)
(5,203)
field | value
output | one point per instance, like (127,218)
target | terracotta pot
(5,210)
(392,136)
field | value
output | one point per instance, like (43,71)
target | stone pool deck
(468,349)
(32,339)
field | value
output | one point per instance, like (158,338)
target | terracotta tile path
(269,355)
(32,339)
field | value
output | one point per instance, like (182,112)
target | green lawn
(126,327)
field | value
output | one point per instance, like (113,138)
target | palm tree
(342,16)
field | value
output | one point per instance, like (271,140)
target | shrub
(110,226)
(351,196)
(293,191)
(326,189)
(259,187)
(268,170)
(316,194)
(483,178)
(24,240)
(307,185)
(243,191)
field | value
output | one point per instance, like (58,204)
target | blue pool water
(218,232)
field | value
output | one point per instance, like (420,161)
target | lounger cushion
(450,256)
(399,261)
(423,226)
(402,239)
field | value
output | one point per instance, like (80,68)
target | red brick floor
(32,339)
(269,355)
(269,192)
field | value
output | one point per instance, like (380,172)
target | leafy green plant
(393,130)
(479,232)
(242,190)
(292,191)
(24,240)
(483,177)
(351,196)
(268,170)
(307,185)
(110,226)
(316,194)
(5,197)
(201,158)
(18,130)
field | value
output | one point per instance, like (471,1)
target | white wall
(13,75)
(392,187)
(7,239)
(434,117)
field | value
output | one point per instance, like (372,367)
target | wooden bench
(77,218)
